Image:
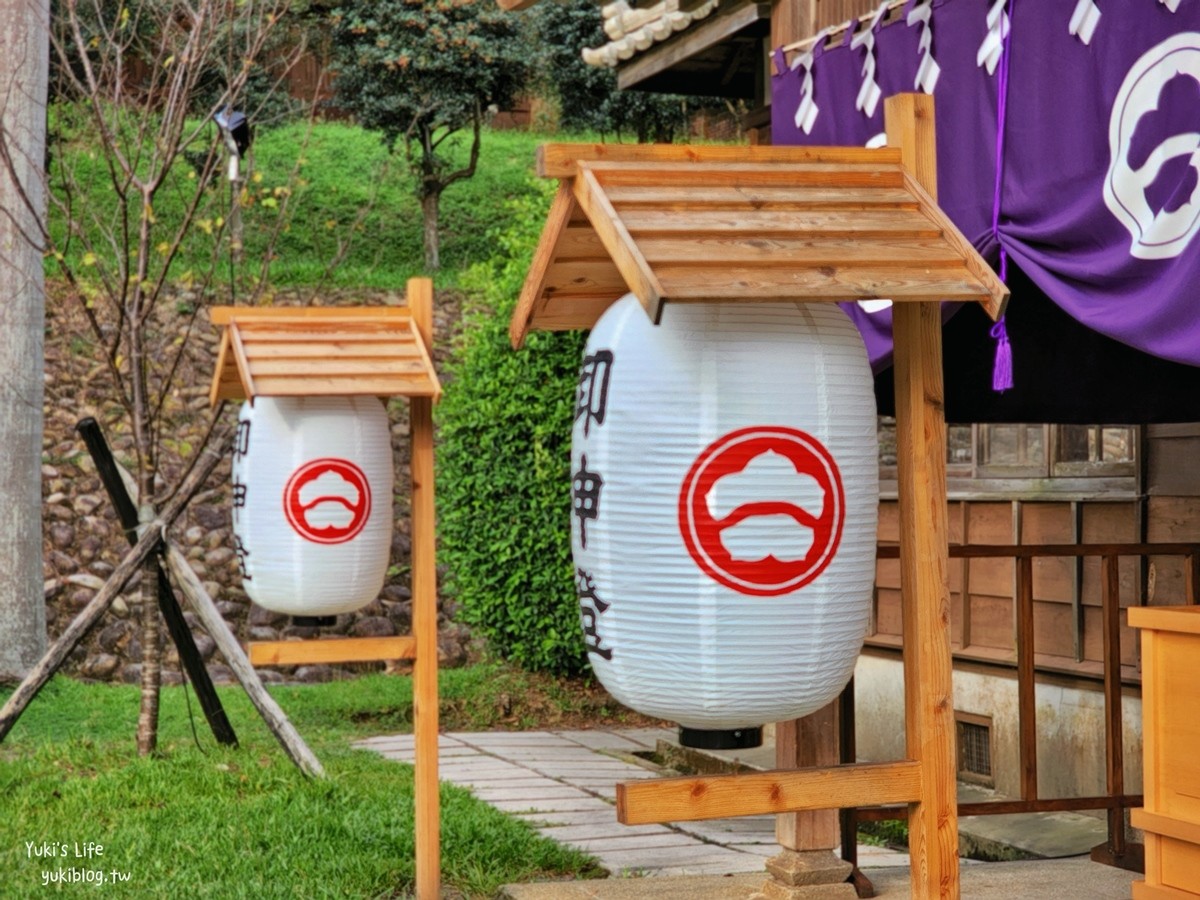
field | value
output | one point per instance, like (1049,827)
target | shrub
(504,465)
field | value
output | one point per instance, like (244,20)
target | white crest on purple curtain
(1172,5)
(806,111)
(1084,20)
(927,70)
(992,47)
(870,93)
(1157,233)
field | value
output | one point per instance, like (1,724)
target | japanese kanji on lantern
(725,495)
(312,516)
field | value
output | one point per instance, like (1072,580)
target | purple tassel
(1002,373)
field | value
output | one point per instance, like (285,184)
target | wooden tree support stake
(150,538)
(219,631)
(110,474)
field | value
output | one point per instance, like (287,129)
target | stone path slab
(564,784)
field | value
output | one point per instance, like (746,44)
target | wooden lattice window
(974,747)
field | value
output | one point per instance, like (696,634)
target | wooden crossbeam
(334,650)
(560,160)
(763,793)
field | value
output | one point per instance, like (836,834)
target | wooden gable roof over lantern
(701,224)
(330,351)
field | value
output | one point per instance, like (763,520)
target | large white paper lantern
(312,518)
(725,495)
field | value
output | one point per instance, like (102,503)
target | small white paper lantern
(725,498)
(312,517)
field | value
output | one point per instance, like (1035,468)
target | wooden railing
(1117,850)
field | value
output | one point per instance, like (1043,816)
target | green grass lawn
(199,820)
(340,194)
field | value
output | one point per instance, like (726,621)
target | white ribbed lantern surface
(312,515)
(725,495)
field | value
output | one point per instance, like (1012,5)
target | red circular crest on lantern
(327,501)
(704,533)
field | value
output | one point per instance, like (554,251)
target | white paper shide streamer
(870,93)
(1084,20)
(312,517)
(1172,5)
(724,504)
(928,70)
(992,47)
(806,111)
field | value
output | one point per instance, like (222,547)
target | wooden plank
(965,577)
(424,616)
(560,160)
(350,386)
(791,22)
(694,284)
(223,315)
(339,650)
(230,390)
(562,209)
(589,276)
(998,293)
(224,375)
(921,485)
(571,312)
(775,197)
(1180,829)
(1191,575)
(1113,725)
(828,225)
(238,350)
(1145,891)
(617,241)
(300,333)
(336,367)
(579,242)
(862,179)
(1026,686)
(390,349)
(804,743)
(1015,551)
(717,796)
(788,252)
(420,299)
(1009,807)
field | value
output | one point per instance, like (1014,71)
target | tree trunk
(429,213)
(24,29)
(147,727)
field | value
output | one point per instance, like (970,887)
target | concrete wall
(1070,716)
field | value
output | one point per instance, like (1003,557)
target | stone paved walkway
(564,783)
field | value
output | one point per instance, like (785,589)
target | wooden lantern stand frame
(360,351)
(812,224)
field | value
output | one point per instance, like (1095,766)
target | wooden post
(799,744)
(807,837)
(921,471)
(1114,736)
(1026,680)
(424,616)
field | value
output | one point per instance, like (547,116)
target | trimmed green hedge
(504,465)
